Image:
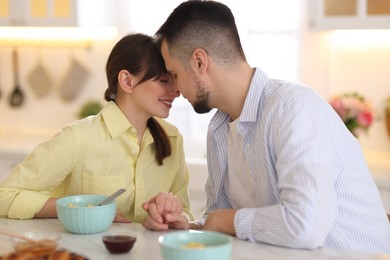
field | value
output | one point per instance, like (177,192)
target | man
(283,168)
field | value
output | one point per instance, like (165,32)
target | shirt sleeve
(301,143)
(28,186)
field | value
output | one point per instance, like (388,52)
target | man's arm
(221,220)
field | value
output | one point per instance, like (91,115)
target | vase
(387,117)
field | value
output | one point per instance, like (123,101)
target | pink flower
(365,118)
(354,110)
(338,106)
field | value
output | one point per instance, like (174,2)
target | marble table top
(147,247)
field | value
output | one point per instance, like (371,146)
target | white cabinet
(198,175)
(383,184)
(38,12)
(349,14)
(379,164)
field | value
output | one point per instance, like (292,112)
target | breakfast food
(71,205)
(194,245)
(56,255)
(39,248)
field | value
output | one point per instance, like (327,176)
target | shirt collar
(248,113)
(115,120)
(252,100)
(117,123)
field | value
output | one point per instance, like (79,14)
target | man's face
(189,85)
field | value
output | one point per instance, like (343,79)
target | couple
(283,168)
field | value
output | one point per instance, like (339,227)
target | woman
(126,146)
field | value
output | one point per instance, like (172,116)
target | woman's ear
(199,57)
(125,81)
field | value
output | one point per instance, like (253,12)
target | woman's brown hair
(139,54)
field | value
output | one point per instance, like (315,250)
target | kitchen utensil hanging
(16,97)
(39,79)
(73,80)
(1,93)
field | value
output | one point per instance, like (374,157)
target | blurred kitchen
(61,46)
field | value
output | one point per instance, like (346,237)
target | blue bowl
(80,214)
(195,245)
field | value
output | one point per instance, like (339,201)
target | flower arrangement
(356,112)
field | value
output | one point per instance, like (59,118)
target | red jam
(119,244)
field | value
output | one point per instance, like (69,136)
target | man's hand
(164,211)
(221,220)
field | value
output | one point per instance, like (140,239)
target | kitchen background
(297,40)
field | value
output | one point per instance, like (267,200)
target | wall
(45,115)
(344,61)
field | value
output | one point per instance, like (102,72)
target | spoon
(18,236)
(112,197)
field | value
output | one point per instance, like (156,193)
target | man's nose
(175,90)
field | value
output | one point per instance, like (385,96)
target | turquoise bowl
(195,245)
(80,214)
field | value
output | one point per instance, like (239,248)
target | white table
(147,247)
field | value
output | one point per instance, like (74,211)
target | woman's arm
(48,210)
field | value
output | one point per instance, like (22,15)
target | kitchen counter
(147,247)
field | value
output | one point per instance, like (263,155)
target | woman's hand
(48,210)
(119,218)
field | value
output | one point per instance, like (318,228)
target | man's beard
(201,104)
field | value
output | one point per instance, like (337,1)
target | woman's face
(154,97)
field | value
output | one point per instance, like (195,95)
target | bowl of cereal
(195,245)
(81,214)
(37,244)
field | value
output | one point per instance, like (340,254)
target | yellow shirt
(97,155)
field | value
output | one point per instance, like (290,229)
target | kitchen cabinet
(379,164)
(349,14)
(38,12)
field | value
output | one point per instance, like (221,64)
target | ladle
(16,97)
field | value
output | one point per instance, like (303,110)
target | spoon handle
(16,235)
(113,196)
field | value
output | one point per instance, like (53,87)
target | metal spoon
(112,197)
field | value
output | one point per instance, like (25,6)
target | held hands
(164,211)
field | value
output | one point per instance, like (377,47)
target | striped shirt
(312,183)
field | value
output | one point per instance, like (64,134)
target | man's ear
(125,80)
(200,60)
